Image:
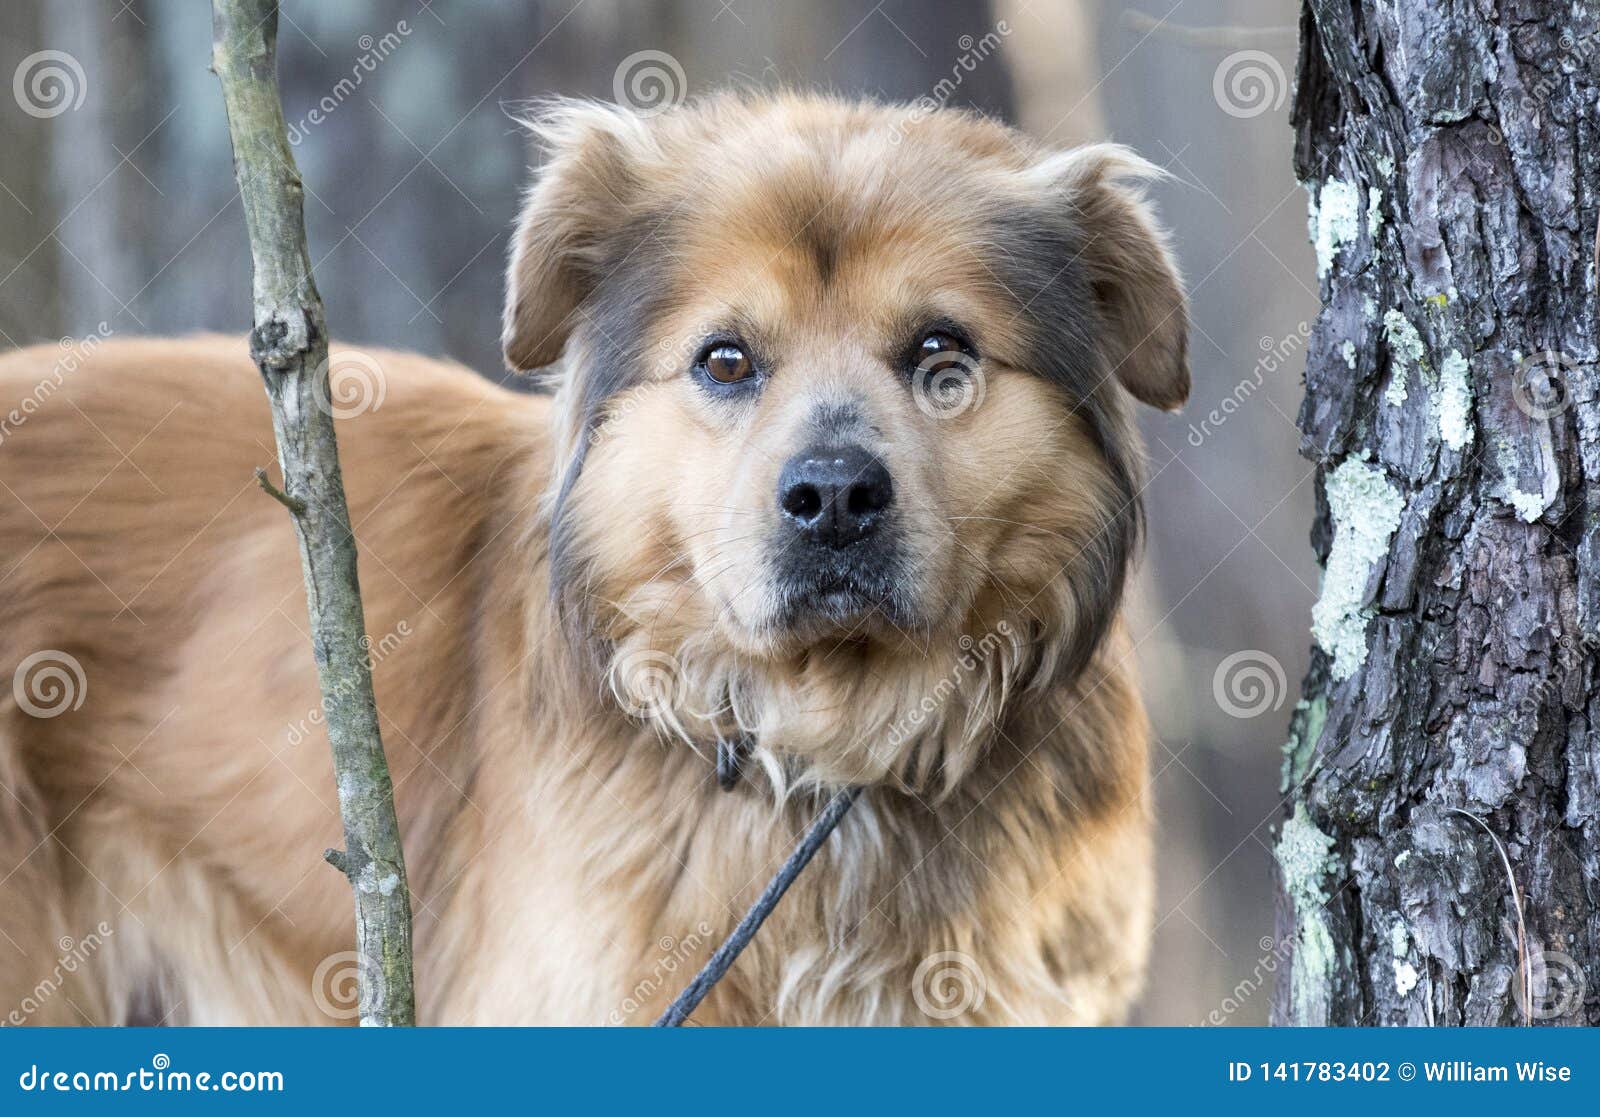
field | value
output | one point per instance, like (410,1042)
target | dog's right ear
(581,199)
(1144,315)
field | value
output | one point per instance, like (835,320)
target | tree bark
(290,346)
(1441,860)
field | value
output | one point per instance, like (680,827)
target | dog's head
(846,450)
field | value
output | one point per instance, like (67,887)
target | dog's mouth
(829,597)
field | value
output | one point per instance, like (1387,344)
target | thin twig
(1516,900)
(298,507)
(290,346)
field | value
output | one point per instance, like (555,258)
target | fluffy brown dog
(838,465)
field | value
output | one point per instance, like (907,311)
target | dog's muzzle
(836,551)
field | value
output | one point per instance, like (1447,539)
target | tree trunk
(1441,860)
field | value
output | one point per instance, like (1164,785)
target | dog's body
(525,560)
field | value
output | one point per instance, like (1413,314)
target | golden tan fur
(569,601)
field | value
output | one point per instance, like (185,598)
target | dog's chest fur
(611,865)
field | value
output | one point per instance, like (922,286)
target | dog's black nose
(835,496)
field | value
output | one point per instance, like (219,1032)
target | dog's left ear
(1144,317)
(571,221)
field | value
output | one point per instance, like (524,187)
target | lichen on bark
(1365,510)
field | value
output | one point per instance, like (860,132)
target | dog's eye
(727,364)
(939,348)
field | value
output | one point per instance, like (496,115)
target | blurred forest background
(117,206)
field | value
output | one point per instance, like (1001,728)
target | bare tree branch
(290,346)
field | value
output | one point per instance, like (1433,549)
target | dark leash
(728,759)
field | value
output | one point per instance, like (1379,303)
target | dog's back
(164,704)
